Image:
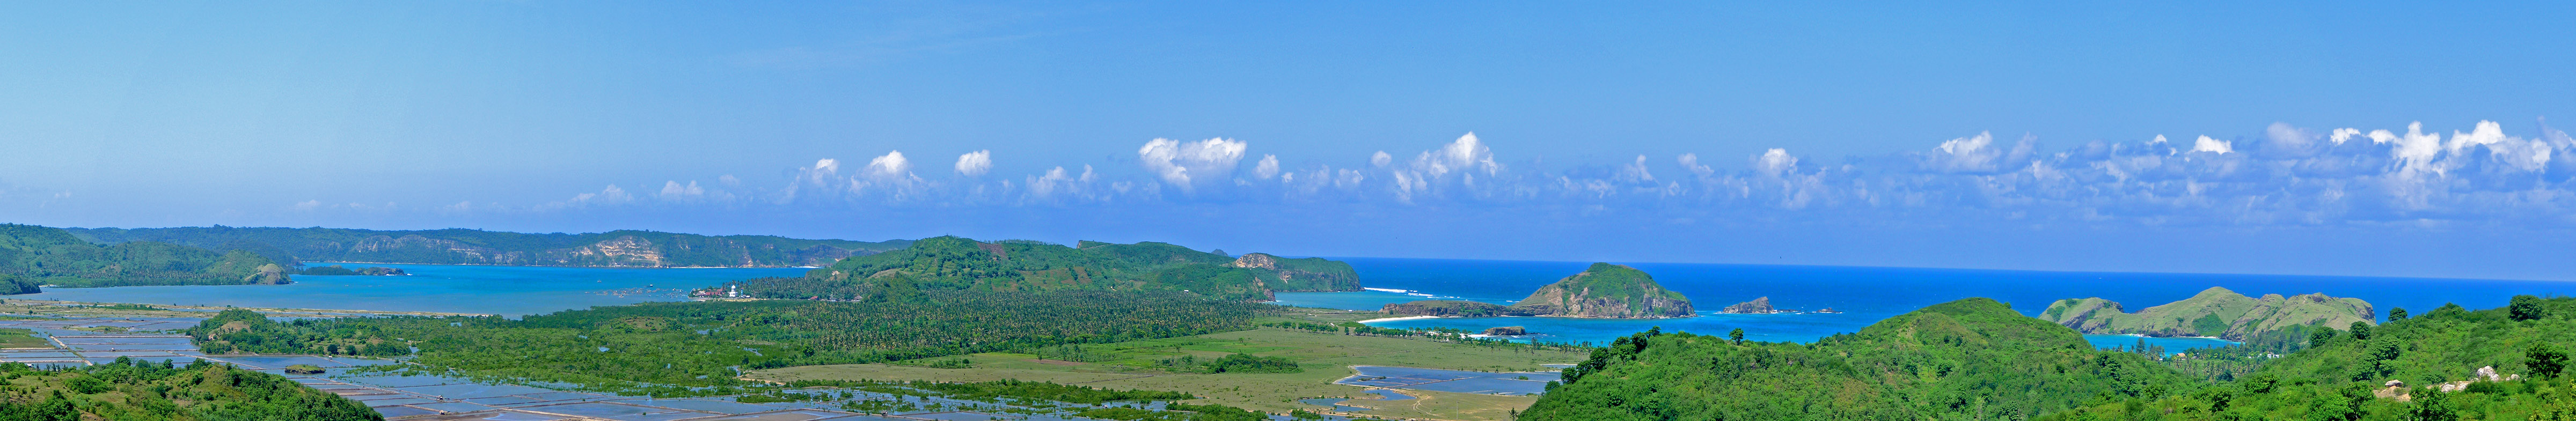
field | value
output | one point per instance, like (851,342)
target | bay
(1861,295)
(500,290)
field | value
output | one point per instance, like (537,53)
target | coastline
(1390,319)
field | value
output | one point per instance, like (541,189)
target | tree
(2545,360)
(2526,307)
(2318,338)
(1736,336)
(2360,330)
(2396,314)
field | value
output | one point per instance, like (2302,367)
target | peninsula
(2214,312)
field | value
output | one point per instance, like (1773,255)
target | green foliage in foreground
(32,255)
(959,264)
(661,348)
(1967,359)
(1177,412)
(125,390)
(2344,377)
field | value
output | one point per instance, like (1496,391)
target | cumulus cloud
(975,163)
(2206,144)
(1178,162)
(891,165)
(1775,162)
(1267,168)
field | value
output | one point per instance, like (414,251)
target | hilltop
(1969,359)
(2215,312)
(33,255)
(623,248)
(956,263)
(1603,291)
(131,390)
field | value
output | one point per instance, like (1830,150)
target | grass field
(1325,357)
(22,338)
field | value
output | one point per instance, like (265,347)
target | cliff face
(1608,291)
(2215,312)
(1280,274)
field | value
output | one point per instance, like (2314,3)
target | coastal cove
(1861,295)
(500,290)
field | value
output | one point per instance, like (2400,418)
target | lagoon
(500,290)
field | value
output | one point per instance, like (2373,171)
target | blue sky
(2005,135)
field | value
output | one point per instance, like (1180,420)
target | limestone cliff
(2215,312)
(1313,274)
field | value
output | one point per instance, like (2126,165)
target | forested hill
(626,248)
(954,263)
(2214,312)
(2437,358)
(130,390)
(32,255)
(1967,359)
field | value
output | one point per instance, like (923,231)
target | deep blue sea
(502,290)
(1864,295)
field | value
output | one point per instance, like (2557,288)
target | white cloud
(1267,168)
(308,205)
(1465,154)
(1637,171)
(889,166)
(674,191)
(975,163)
(1177,162)
(1381,158)
(1691,162)
(1775,162)
(2206,144)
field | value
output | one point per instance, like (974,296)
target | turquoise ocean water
(503,290)
(1863,295)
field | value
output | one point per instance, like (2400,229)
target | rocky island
(1757,306)
(1603,291)
(2214,312)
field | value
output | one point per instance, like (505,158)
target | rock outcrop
(1757,306)
(1506,331)
(2215,312)
(1312,274)
(1607,291)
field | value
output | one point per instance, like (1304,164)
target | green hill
(2215,312)
(960,264)
(625,248)
(1967,359)
(125,390)
(32,255)
(2345,375)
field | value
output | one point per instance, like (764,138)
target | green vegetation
(2215,312)
(125,390)
(33,255)
(2344,376)
(1966,359)
(1247,363)
(959,264)
(1603,290)
(1323,357)
(664,348)
(464,246)
(22,338)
